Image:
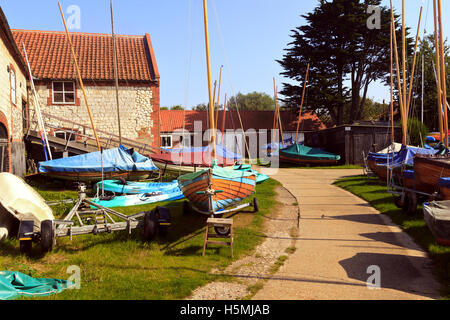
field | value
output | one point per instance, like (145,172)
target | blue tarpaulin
(405,156)
(118,159)
(221,151)
(14,285)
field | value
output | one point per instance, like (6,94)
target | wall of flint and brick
(137,106)
(9,113)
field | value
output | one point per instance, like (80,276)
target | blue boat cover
(118,159)
(379,157)
(221,151)
(444,182)
(14,285)
(405,156)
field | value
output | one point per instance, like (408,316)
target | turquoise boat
(260,178)
(300,154)
(131,187)
(139,199)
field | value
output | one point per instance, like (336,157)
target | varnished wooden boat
(409,180)
(429,169)
(230,187)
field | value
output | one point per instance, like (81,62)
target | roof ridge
(78,33)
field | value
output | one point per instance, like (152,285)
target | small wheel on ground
(25,246)
(150,226)
(255,205)
(223,231)
(47,236)
(186,207)
(410,206)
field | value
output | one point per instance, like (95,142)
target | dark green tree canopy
(251,101)
(344,54)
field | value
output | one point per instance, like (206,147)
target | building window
(166,142)
(12,74)
(63,92)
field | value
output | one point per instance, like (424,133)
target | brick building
(60,95)
(13,102)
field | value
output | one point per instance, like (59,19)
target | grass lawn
(122,266)
(374,192)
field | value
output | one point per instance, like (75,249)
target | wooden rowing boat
(429,169)
(227,187)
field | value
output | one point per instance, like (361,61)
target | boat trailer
(87,217)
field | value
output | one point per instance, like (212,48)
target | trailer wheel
(47,236)
(25,246)
(150,226)
(410,206)
(186,208)
(398,202)
(255,205)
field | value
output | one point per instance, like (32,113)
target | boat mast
(116,76)
(79,78)
(443,76)
(44,137)
(392,88)
(218,97)
(210,91)
(400,90)
(408,104)
(301,105)
(438,71)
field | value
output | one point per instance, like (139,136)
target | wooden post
(443,75)
(301,105)
(79,77)
(404,62)
(208,67)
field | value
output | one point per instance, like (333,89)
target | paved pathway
(340,237)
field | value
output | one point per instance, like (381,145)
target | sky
(246,37)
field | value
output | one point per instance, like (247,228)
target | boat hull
(232,192)
(428,171)
(118,187)
(437,217)
(19,201)
(93,177)
(140,199)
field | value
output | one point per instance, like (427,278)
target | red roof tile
(51,57)
(172,120)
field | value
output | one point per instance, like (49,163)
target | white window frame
(12,82)
(171,141)
(63,93)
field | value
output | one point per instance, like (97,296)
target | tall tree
(345,57)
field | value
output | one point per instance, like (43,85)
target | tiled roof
(6,34)
(172,120)
(51,57)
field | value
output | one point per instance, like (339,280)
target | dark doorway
(4,154)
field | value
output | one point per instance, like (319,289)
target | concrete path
(342,242)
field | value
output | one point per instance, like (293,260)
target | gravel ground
(251,271)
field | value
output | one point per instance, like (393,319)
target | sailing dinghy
(108,164)
(132,187)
